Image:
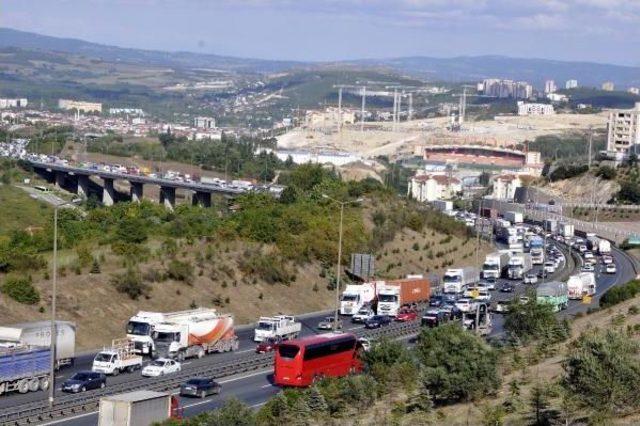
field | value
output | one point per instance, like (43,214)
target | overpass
(78,180)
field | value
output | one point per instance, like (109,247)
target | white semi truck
(118,358)
(495,264)
(514,217)
(355,296)
(604,246)
(38,333)
(456,280)
(519,265)
(194,333)
(281,327)
(581,284)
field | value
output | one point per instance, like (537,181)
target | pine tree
(95,268)
(317,403)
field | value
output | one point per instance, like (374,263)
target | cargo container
(139,408)
(391,295)
(554,293)
(38,333)
(495,264)
(456,280)
(567,230)
(604,246)
(24,368)
(514,217)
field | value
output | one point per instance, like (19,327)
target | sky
(606,31)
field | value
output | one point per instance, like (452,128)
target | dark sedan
(83,381)
(507,288)
(200,387)
(377,321)
(436,301)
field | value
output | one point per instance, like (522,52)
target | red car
(267,345)
(407,314)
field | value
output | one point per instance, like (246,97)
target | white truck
(120,357)
(38,333)
(456,280)
(355,296)
(194,333)
(281,327)
(567,230)
(138,408)
(604,246)
(393,294)
(514,217)
(519,265)
(495,264)
(581,284)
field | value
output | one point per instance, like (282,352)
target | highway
(254,388)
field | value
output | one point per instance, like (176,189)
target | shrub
(130,283)
(533,320)
(270,268)
(620,293)
(95,267)
(180,271)
(21,290)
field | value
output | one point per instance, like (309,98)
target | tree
(532,320)
(232,413)
(602,371)
(316,401)
(539,402)
(606,172)
(95,267)
(20,289)
(130,282)
(457,365)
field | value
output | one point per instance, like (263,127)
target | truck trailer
(495,264)
(519,265)
(554,293)
(456,280)
(391,295)
(536,249)
(604,246)
(138,408)
(282,327)
(567,230)
(38,333)
(514,217)
(24,368)
(355,296)
(581,284)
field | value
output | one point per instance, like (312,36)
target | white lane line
(260,404)
(67,419)
(266,386)
(246,350)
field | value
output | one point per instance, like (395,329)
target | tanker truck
(38,333)
(194,333)
(581,284)
(393,294)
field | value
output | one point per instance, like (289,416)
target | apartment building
(70,104)
(426,187)
(507,88)
(204,123)
(534,109)
(608,86)
(624,131)
(13,103)
(504,187)
(550,86)
(571,84)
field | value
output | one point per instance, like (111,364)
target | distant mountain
(26,40)
(535,71)
(476,68)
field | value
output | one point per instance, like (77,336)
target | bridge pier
(60,178)
(168,196)
(83,186)
(136,191)
(202,199)
(108,192)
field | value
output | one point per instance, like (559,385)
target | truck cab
(355,297)
(388,301)
(452,282)
(117,359)
(281,326)
(140,330)
(168,341)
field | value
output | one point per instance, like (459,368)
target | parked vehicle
(554,293)
(394,294)
(328,324)
(581,284)
(355,297)
(138,408)
(161,367)
(407,314)
(495,264)
(24,368)
(120,357)
(363,315)
(611,268)
(83,381)
(194,333)
(300,362)
(456,280)
(38,333)
(377,321)
(200,387)
(267,345)
(280,326)
(519,265)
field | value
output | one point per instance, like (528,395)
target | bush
(606,172)
(180,271)
(620,293)
(533,320)
(270,268)
(130,283)
(21,290)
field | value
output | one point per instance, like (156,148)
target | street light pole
(335,322)
(54,332)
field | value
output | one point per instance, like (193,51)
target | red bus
(299,362)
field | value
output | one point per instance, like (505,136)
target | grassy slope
(19,211)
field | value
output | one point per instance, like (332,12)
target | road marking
(246,350)
(260,404)
(266,386)
(246,376)
(67,419)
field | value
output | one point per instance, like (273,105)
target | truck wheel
(23,386)
(203,394)
(34,385)
(181,356)
(43,385)
(200,353)
(83,389)
(116,371)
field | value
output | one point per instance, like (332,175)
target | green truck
(554,293)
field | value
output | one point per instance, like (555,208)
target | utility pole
(364,100)
(399,107)
(590,144)
(410,106)
(339,109)
(395,107)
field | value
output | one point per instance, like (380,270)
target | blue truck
(24,368)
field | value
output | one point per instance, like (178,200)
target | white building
(430,187)
(571,84)
(126,111)
(504,187)
(13,103)
(70,104)
(608,86)
(204,123)
(534,109)
(624,131)
(214,135)
(336,158)
(634,90)
(550,86)
(557,97)
(507,88)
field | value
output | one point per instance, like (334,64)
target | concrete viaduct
(78,181)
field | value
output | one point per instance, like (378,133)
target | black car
(542,273)
(200,387)
(507,288)
(83,381)
(450,298)
(436,301)
(377,321)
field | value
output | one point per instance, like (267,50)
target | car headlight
(75,386)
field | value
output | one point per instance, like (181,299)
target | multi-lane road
(254,387)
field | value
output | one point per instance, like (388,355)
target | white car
(607,260)
(160,367)
(484,296)
(466,305)
(530,279)
(588,268)
(611,268)
(550,267)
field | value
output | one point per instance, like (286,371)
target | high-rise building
(608,86)
(571,84)
(507,88)
(550,86)
(624,131)
(204,123)
(13,103)
(534,109)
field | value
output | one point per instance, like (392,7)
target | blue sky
(592,30)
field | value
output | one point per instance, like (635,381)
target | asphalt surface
(255,388)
